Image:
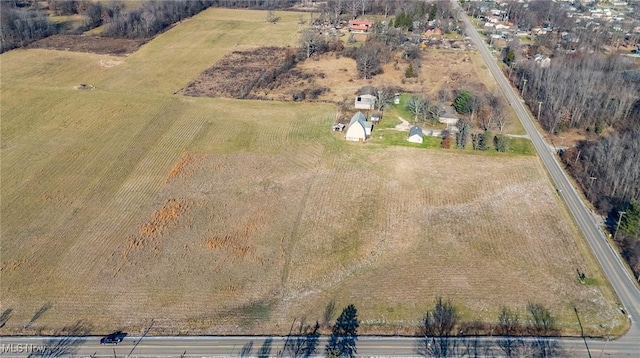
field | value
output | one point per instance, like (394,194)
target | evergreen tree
(630,222)
(344,334)
(501,142)
(464,102)
(485,138)
(410,72)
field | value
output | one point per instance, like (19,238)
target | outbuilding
(366,99)
(359,129)
(415,135)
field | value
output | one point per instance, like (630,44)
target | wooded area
(25,21)
(592,89)
(21,27)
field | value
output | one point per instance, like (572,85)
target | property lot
(126,203)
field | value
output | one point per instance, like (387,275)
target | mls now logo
(22,348)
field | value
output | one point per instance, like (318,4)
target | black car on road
(113,338)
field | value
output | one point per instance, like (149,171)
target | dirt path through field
(293,238)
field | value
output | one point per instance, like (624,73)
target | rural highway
(254,346)
(611,263)
(208,346)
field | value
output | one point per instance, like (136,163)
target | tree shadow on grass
(6,314)
(66,341)
(38,314)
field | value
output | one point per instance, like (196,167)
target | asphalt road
(621,280)
(252,346)
(611,263)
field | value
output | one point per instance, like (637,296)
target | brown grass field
(127,203)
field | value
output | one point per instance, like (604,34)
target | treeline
(21,26)
(152,17)
(609,172)
(596,93)
(24,21)
(614,164)
(599,94)
(628,236)
(581,91)
(442,334)
(406,11)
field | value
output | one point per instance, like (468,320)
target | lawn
(124,202)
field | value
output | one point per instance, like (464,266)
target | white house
(415,135)
(359,129)
(366,99)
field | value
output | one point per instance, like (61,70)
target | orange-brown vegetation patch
(89,43)
(161,220)
(179,169)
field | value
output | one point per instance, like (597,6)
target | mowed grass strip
(272,216)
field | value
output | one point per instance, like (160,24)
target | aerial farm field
(123,202)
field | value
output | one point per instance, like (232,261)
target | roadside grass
(521,146)
(481,69)
(393,137)
(221,216)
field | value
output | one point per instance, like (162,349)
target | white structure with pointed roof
(359,129)
(415,135)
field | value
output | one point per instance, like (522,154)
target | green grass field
(127,203)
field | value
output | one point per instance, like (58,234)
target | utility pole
(524,81)
(539,107)
(139,340)
(618,226)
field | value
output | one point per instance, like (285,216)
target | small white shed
(415,135)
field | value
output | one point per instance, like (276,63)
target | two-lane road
(610,261)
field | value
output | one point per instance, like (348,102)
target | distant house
(449,117)
(415,135)
(360,25)
(366,99)
(359,129)
(432,33)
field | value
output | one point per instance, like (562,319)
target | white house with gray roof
(415,135)
(359,129)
